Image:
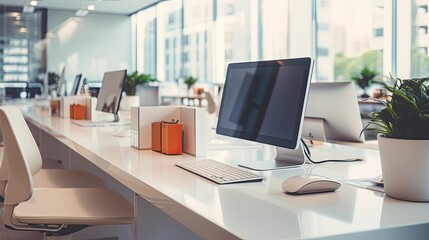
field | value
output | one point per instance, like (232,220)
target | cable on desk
(308,156)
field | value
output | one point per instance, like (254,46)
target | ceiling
(101,6)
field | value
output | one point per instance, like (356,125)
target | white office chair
(211,105)
(54,211)
(49,178)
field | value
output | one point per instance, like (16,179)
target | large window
(180,38)
(21,52)
(349,36)
(414,32)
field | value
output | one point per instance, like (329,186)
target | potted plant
(53,79)
(190,81)
(134,79)
(130,88)
(364,78)
(403,138)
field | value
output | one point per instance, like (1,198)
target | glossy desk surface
(249,210)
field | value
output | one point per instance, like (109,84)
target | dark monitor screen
(265,101)
(110,93)
(77,85)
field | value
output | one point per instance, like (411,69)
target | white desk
(249,210)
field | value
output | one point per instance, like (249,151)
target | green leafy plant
(134,79)
(406,112)
(53,79)
(364,78)
(190,81)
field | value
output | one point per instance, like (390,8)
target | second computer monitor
(336,104)
(109,97)
(77,85)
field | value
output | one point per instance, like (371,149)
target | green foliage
(344,66)
(364,77)
(190,81)
(53,79)
(406,115)
(135,78)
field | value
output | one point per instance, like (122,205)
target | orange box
(156,136)
(171,138)
(77,111)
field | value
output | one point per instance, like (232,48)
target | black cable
(308,155)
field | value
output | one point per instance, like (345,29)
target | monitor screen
(337,104)
(265,101)
(77,85)
(110,93)
(61,83)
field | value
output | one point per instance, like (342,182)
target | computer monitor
(61,84)
(335,104)
(110,93)
(264,102)
(77,85)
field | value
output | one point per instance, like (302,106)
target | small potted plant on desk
(190,81)
(364,78)
(130,88)
(53,79)
(403,138)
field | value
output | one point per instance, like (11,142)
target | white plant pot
(405,167)
(129,101)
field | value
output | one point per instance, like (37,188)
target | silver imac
(335,106)
(108,99)
(77,85)
(264,102)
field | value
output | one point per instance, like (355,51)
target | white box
(194,126)
(67,101)
(192,119)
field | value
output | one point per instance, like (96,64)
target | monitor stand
(286,158)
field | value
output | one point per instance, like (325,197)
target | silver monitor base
(286,158)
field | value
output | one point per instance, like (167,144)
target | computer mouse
(304,184)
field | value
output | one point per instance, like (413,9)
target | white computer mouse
(304,184)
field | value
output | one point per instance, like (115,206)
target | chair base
(69,229)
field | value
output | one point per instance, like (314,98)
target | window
(20,60)
(413,61)
(185,40)
(343,36)
(229,9)
(378,32)
(350,37)
(185,57)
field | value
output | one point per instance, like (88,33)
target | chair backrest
(21,155)
(211,105)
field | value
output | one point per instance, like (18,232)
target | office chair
(49,178)
(211,105)
(54,211)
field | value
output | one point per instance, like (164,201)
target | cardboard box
(171,138)
(156,136)
(77,111)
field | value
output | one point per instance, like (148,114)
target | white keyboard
(219,173)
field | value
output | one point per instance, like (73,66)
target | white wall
(91,45)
